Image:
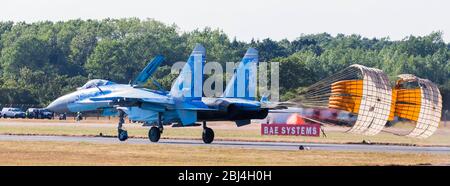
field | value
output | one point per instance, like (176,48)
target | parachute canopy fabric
(346,95)
(367,93)
(360,90)
(418,100)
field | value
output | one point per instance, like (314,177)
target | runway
(238,144)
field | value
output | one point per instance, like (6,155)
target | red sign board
(290,130)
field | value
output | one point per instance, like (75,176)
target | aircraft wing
(134,95)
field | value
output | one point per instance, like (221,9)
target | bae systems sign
(290,130)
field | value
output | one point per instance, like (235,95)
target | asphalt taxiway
(239,144)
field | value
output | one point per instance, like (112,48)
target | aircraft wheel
(123,135)
(208,135)
(154,134)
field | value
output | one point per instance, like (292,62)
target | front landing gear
(155,132)
(208,134)
(121,133)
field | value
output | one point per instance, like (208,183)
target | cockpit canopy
(95,83)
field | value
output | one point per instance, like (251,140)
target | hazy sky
(247,19)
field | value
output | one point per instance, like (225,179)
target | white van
(11,112)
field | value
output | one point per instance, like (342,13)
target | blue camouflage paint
(189,84)
(148,70)
(243,82)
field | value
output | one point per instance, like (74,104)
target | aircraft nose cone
(59,106)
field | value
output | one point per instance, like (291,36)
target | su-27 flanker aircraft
(183,104)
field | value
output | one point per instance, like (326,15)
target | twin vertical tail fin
(189,84)
(243,82)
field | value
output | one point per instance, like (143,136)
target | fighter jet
(183,104)
(141,104)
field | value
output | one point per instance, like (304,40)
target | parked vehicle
(45,114)
(32,113)
(11,112)
(38,113)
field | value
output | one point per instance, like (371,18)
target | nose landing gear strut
(121,133)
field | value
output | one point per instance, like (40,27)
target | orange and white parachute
(367,93)
(418,100)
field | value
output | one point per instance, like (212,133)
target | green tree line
(43,60)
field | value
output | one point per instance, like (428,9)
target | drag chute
(418,100)
(368,94)
(359,90)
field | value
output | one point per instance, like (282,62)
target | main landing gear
(121,133)
(154,134)
(155,131)
(208,134)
